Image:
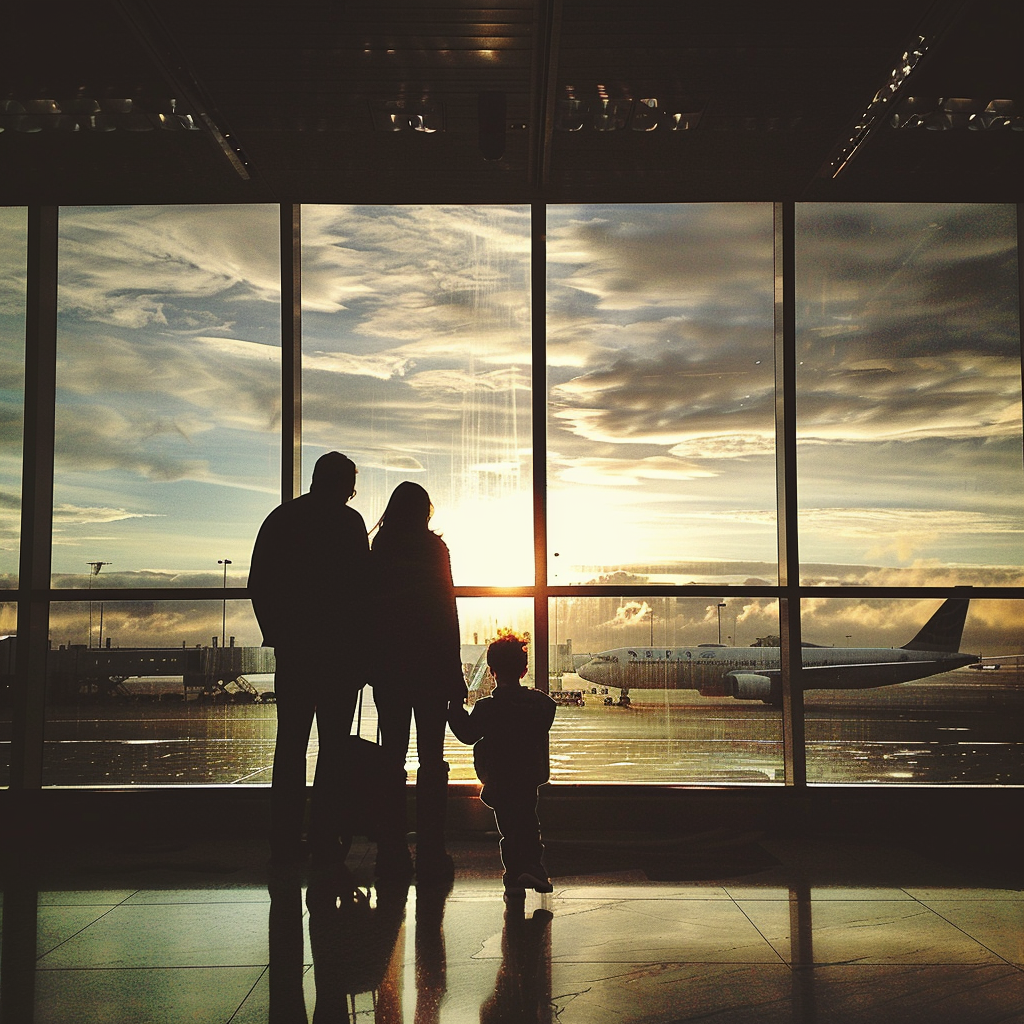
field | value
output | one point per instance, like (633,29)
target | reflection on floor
(736,929)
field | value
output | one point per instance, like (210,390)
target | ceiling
(552,100)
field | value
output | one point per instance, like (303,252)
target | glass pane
(661,414)
(909,395)
(416,364)
(13,255)
(156,699)
(666,690)
(956,718)
(168,393)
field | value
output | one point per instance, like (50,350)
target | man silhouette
(307,583)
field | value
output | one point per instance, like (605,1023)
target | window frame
(35,595)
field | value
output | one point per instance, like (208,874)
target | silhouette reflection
(431,961)
(522,989)
(287,1003)
(355,935)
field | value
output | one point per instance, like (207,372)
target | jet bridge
(76,670)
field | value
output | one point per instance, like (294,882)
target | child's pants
(515,814)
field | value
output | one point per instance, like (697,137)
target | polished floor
(721,926)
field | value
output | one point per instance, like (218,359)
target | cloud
(176,255)
(667,398)
(393,462)
(74,515)
(626,258)
(629,614)
(381,365)
(94,439)
(607,472)
(409,273)
(905,533)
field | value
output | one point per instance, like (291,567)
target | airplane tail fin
(942,632)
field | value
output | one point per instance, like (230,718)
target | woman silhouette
(417,670)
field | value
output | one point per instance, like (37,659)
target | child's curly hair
(506,655)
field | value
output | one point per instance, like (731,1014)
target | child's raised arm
(465,726)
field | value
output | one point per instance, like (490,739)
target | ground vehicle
(568,698)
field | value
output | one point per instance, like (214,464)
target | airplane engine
(751,686)
(720,687)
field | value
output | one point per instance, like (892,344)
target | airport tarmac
(946,730)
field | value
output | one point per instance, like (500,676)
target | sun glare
(490,540)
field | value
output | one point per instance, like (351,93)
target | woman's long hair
(407,515)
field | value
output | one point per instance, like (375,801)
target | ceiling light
(611,115)
(937,113)
(879,107)
(424,116)
(89,114)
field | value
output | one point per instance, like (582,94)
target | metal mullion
(793,733)
(291,351)
(29,704)
(539,405)
(1020,292)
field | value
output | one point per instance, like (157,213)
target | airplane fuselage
(754,673)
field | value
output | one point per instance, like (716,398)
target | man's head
(334,476)
(506,656)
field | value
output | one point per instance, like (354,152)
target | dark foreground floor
(715,927)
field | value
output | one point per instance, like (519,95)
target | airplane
(754,673)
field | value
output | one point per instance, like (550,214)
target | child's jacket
(510,733)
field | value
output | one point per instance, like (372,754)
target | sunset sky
(416,362)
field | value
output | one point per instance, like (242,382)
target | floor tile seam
(261,967)
(866,961)
(670,962)
(764,938)
(953,894)
(252,988)
(68,906)
(68,938)
(193,903)
(974,939)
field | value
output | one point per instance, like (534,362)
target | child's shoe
(540,883)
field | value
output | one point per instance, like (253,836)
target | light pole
(224,604)
(720,607)
(96,566)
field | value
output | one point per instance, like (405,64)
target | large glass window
(168,393)
(661,615)
(416,364)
